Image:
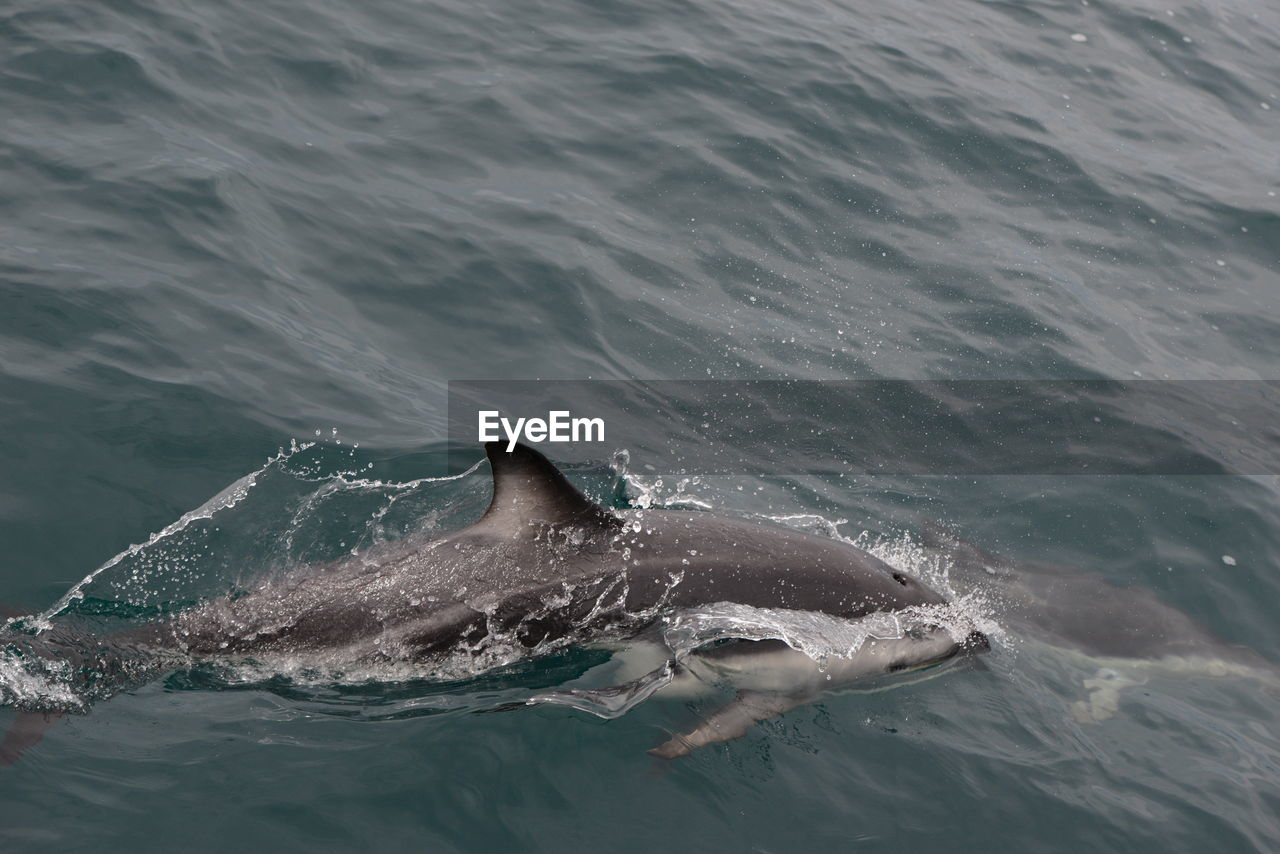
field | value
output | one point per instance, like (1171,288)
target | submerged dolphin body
(543,564)
(1124,633)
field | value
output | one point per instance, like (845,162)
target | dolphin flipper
(730,722)
(1104,695)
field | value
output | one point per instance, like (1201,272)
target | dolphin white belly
(769,676)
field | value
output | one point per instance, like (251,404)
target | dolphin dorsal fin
(528,489)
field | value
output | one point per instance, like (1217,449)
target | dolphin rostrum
(543,565)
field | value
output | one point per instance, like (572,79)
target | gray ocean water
(228,227)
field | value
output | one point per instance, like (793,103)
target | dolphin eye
(901,579)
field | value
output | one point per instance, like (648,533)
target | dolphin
(771,676)
(543,566)
(1123,633)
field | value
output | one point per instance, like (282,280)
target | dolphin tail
(86,656)
(730,722)
(27,729)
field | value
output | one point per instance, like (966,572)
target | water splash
(226,499)
(308,500)
(644,492)
(31,688)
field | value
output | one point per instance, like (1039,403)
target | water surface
(227,226)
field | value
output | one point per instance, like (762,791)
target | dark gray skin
(543,563)
(540,540)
